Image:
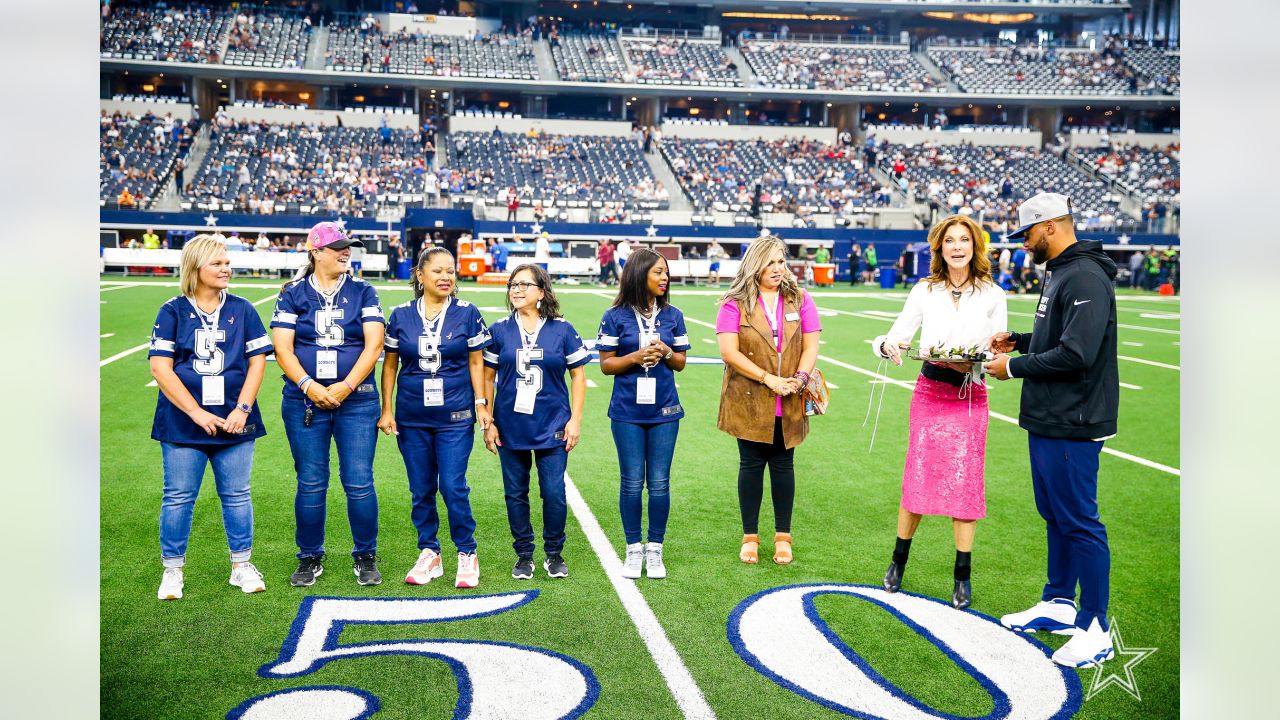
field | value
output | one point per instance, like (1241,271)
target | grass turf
(198,657)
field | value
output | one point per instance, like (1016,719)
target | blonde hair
(198,252)
(745,287)
(979,263)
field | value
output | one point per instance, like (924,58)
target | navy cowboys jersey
(620,333)
(561,349)
(335,323)
(462,331)
(200,348)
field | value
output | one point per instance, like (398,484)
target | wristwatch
(482,401)
(245,408)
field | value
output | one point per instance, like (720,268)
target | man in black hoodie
(1070,400)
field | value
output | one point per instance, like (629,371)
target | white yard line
(1130,387)
(688,697)
(1123,325)
(591,383)
(1131,344)
(107,335)
(152,384)
(1151,362)
(900,383)
(121,286)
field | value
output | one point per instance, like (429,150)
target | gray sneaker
(523,569)
(366,570)
(555,566)
(309,568)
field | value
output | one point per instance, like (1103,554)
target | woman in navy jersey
(642,343)
(534,420)
(436,341)
(208,356)
(328,332)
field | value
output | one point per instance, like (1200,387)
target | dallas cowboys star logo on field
(210,220)
(1106,674)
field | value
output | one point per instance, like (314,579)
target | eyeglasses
(522,286)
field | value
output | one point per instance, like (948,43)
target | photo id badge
(646,390)
(647,338)
(526,396)
(433,392)
(791,317)
(212,391)
(327,365)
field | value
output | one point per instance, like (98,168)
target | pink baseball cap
(328,234)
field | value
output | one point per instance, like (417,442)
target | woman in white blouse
(958,306)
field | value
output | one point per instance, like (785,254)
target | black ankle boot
(962,595)
(893,577)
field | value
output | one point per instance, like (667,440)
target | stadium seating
(968,172)
(298,168)
(559,170)
(1035,71)
(795,175)
(588,58)
(268,41)
(191,35)
(838,67)
(667,61)
(495,55)
(133,155)
(1151,173)
(1161,66)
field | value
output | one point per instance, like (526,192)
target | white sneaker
(1057,616)
(170,584)
(247,578)
(427,568)
(468,571)
(653,566)
(1086,649)
(633,564)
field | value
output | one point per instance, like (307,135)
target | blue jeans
(644,456)
(1064,476)
(353,427)
(515,482)
(435,459)
(183,472)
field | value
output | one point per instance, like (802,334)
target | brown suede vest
(748,407)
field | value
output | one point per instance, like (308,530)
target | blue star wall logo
(1119,671)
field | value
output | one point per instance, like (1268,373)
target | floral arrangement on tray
(941,353)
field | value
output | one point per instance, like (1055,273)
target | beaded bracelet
(302,384)
(802,376)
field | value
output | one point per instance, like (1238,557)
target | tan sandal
(750,552)
(782,548)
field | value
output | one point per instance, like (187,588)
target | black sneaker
(523,569)
(366,570)
(893,577)
(555,566)
(309,568)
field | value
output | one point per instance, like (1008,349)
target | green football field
(686,646)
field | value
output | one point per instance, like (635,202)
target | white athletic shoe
(1087,648)
(653,566)
(170,584)
(634,561)
(247,578)
(1057,616)
(468,571)
(427,568)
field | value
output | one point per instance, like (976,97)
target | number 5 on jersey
(530,382)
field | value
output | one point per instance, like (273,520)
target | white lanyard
(771,315)
(648,328)
(209,321)
(528,340)
(329,298)
(432,329)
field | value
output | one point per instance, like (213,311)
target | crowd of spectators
(262,40)
(987,183)
(674,61)
(260,167)
(1034,69)
(137,154)
(365,48)
(552,169)
(184,34)
(1151,174)
(587,57)
(835,67)
(794,175)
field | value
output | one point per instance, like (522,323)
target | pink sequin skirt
(946,451)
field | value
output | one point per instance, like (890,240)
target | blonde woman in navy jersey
(208,356)
(642,344)
(328,333)
(534,418)
(435,342)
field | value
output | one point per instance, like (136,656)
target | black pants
(752,457)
